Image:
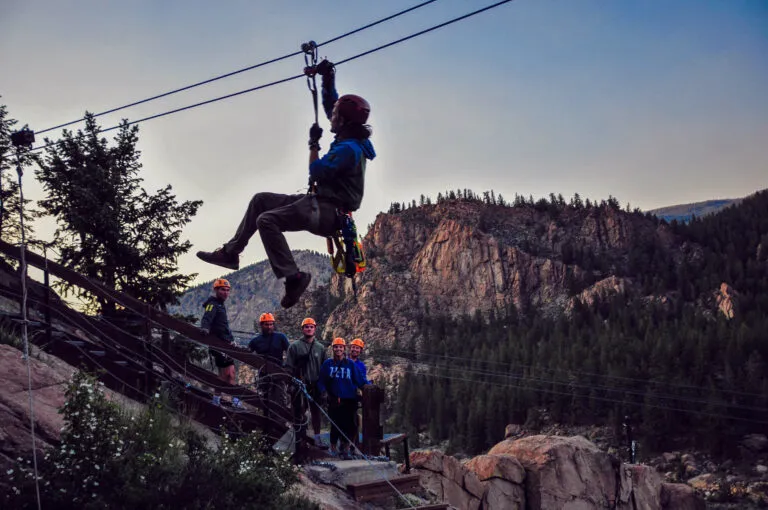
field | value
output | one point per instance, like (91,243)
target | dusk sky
(656,102)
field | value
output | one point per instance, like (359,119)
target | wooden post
(373,431)
(407,456)
(148,379)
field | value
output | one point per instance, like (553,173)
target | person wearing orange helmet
(273,346)
(270,343)
(304,359)
(355,350)
(338,383)
(336,185)
(215,322)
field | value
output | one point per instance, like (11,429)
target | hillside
(684,212)
(482,313)
(466,256)
(254,290)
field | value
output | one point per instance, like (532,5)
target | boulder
(503,478)
(427,459)
(755,442)
(505,467)
(563,472)
(49,379)
(705,482)
(640,488)
(459,485)
(512,430)
(679,496)
(501,494)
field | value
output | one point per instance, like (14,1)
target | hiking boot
(294,288)
(220,258)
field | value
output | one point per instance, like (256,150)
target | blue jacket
(271,346)
(340,173)
(340,379)
(363,371)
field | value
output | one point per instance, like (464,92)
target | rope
(249,68)
(25,336)
(290,78)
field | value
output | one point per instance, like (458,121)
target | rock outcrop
(487,482)
(49,379)
(726,297)
(545,472)
(467,257)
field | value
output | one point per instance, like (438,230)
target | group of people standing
(332,382)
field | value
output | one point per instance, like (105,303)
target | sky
(655,102)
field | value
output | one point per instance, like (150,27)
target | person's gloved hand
(324,399)
(315,133)
(325,69)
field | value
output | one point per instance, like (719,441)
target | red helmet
(353,108)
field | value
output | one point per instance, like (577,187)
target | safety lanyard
(310,70)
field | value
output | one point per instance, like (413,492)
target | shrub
(109,458)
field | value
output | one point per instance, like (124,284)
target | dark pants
(272,214)
(300,404)
(342,415)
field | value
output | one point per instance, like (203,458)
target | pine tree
(108,227)
(10,224)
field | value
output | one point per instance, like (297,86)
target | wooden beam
(368,491)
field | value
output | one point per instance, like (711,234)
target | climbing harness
(349,257)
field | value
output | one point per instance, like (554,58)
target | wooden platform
(369,491)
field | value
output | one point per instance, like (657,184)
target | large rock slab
(49,379)
(344,472)
(503,478)
(679,496)
(640,488)
(569,473)
(479,483)
(505,467)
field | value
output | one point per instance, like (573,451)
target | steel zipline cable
(291,78)
(244,69)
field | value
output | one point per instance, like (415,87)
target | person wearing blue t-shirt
(338,384)
(272,345)
(355,350)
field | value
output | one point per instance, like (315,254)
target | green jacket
(304,360)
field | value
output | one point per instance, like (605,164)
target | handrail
(121,342)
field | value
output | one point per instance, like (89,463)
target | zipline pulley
(310,70)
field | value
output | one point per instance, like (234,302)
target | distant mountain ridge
(255,289)
(684,212)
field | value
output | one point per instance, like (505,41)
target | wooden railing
(135,364)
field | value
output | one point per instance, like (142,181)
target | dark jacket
(340,173)
(340,379)
(272,346)
(215,321)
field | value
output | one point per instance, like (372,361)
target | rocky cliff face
(465,257)
(543,472)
